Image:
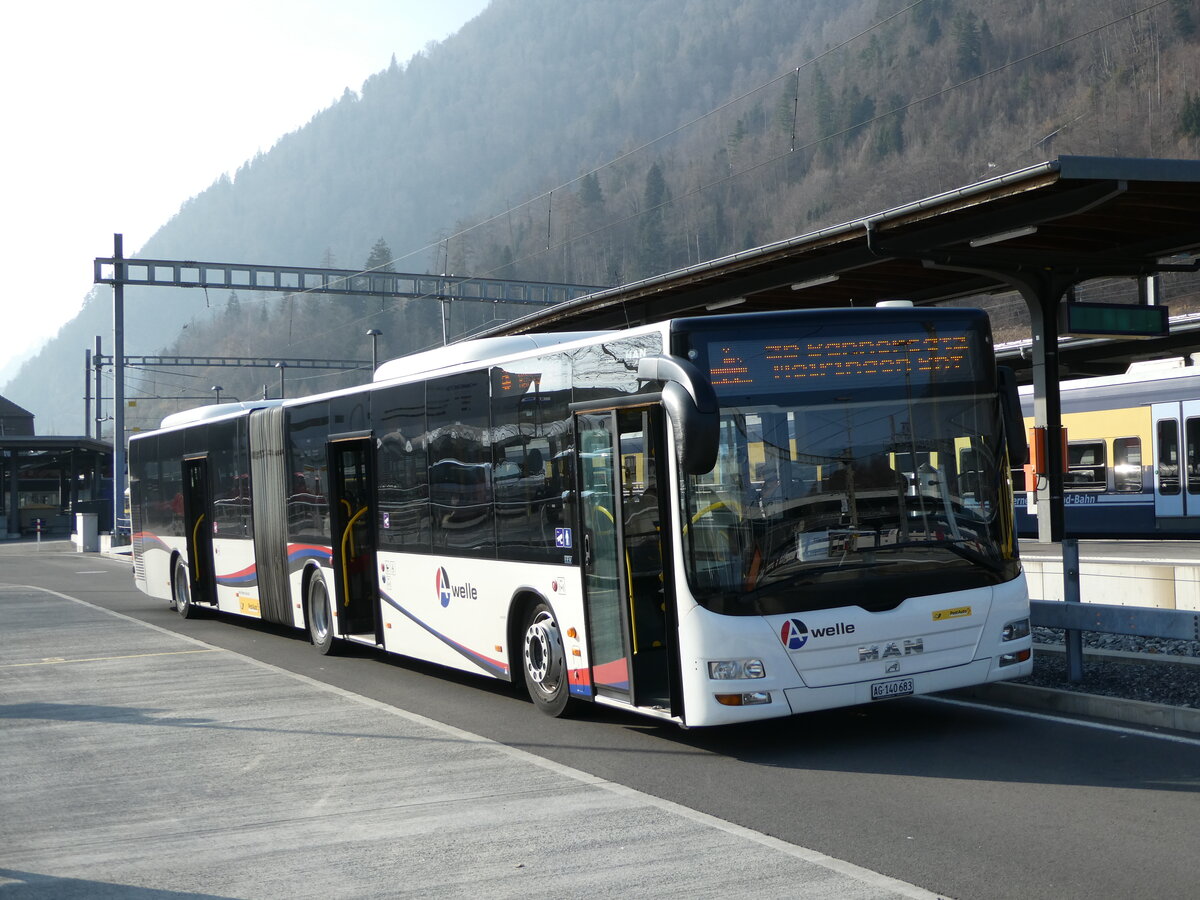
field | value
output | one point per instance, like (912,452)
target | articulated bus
(706,520)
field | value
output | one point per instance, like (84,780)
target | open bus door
(352,505)
(198,529)
(627,591)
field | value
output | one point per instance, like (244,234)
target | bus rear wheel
(182,589)
(544,659)
(319,614)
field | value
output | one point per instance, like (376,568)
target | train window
(1087,468)
(1127,464)
(1168,456)
(1191,432)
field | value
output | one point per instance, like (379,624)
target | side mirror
(692,408)
(1010,412)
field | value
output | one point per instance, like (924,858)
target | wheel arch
(173,568)
(524,599)
(306,577)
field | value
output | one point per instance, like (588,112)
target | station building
(46,480)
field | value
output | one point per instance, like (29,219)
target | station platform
(141,763)
(1158,574)
(1167,552)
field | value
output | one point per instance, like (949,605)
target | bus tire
(318,612)
(181,588)
(544,660)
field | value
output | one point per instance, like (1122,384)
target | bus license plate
(886,690)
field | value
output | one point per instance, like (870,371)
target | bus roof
(214,411)
(475,351)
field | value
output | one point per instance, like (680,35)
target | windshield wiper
(810,575)
(958,548)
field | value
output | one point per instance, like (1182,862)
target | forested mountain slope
(602,142)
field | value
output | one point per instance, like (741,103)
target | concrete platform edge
(873,883)
(1112,709)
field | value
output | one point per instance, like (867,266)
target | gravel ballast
(1151,670)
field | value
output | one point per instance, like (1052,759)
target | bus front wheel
(319,614)
(544,661)
(182,589)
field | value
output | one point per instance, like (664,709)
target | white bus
(706,520)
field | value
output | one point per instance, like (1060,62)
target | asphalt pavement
(139,763)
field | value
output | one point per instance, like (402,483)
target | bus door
(198,529)
(352,517)
(631,621)
(1176,440)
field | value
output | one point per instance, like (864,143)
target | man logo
(794,634)
(443,586)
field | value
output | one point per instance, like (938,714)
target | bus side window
(402,468)
(460,465)
(1127,464)
(1087,468)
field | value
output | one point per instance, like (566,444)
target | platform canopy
(1075,217)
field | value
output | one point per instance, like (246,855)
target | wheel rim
(544,653)
(318,611)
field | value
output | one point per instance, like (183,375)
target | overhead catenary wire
(792,147)
(444,241)
(819,141)
(791,72)
(657,140)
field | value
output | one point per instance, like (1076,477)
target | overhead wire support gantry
(118,271)
(241,362)
(346,282)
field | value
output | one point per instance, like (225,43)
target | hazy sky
(114,113)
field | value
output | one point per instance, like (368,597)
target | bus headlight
(1015,630)
(727,669)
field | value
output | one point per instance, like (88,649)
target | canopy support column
(1042,293)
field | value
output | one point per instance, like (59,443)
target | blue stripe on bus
(247,577)
(300,554)
(151,541)
(499,670)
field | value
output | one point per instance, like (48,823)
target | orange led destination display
(817,364)
(515,382)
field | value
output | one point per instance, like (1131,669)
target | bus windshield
(851,486)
